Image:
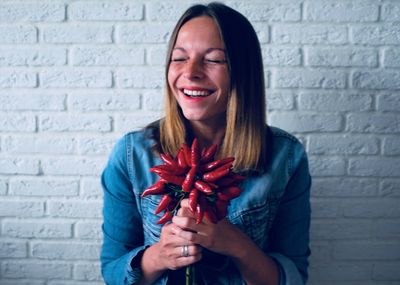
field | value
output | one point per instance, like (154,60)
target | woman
(215,93)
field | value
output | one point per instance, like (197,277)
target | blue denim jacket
(273,209)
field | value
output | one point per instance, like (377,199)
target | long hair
(245,130)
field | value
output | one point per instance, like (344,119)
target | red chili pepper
(217,163)
(165,200)
(187,184)
(170,178)
(168,159)
(209,154)
(193,197)
(216,174)
(199,214)
(203,187)
(194,153)
(186,152)
(165,218)
(155,189)
(182,159)
(229,193)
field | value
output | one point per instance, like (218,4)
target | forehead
(199,31)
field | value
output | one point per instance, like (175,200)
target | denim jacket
(273,210)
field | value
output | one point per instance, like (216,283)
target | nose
(193,69)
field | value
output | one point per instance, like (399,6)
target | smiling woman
(215,97)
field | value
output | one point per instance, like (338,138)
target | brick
(375,34)
(367,251)
(339,272)
(143,33)
(153,100)
(13,249)
(19,165)
(326,208)
(18,122)
(23,56)
(268,11)
(386,271)
(383,229)
(67,123)
(390,187)
(21,282)
(282,56)
(31,12)
(105,11)
(75,209)
(36,270)
(327,166)
(67,33)
(280,100)
(126,123)
(373,123)
(89,230)
(309,34)
(343,144)
(72,166)
(65,251)
(156,55)
(263,32)
(40,186)
(87,272)
(341,229)
(306,122)
(18,34)
(342,11)
(12,208)
(140,77)
(390,12)
(344,187)
(375,166)
(388,102)
(31,101)
(37,229)
(295,78)
(391,57)
(75,78)
(100,101)
(341,57)
(96,145)
(3,187)
(39,144)
(382,79)
(371,208)
(105,56)
(334,101)
(17,79)
(91,189)
(162,11)
(322,250)
(391,146)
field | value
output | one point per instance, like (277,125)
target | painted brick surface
(76,75)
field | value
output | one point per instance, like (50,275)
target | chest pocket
(257,221)
(151,229)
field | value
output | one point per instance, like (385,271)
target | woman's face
(198,73)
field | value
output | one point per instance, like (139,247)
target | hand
(168,251)
(223,237)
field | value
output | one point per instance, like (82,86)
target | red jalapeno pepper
(209,154)
(203,187)
(194,153)
(174,179)
(155,189)
(193,198)
(216,174)
(217,163)
(168,215)
(168,159)
(187,184)
(164,202)
(199,214)
(182,159)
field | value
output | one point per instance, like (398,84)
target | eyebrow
(207,50)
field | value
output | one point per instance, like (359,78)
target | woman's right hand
(169,250)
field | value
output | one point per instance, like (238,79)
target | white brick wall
(76,75)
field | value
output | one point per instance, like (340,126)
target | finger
(188,250)
(185,203)
(185,212)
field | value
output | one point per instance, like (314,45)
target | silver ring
(185,251)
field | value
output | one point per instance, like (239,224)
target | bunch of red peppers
(209,184)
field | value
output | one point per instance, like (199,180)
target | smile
(196,93)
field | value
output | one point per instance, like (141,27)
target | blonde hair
(245,134)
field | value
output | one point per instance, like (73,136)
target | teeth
(196,92)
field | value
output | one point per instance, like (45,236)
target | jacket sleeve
(289,235)
(122,223)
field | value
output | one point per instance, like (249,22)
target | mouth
(196,93)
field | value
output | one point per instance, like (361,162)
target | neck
(208,135)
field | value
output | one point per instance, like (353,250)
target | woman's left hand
(222,237)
